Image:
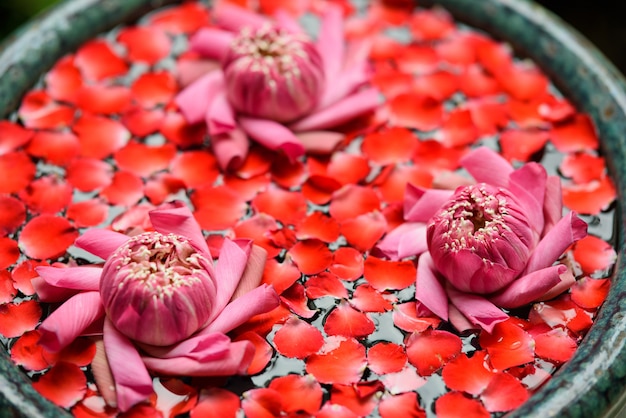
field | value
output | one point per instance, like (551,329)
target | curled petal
(420,204)
(230,267)
(194,101)
(133,384)
(404,241)
(477,309)
(529,287)
(180,221)
(230,148)
(78,278)
(220,117)
(330,42)
(70,320)
(211,43)
(101,242)
(482,162)
(205,347)
(272,135)
(428,288)
(233,18)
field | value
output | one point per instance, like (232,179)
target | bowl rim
(584,387)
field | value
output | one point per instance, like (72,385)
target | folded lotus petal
(208,347)
(272,135)
(253,274)
(260,300)
(194,101)
(211,43)
(428,288)
(228,272)
(133,383)
(458,320)
(230,149)
(422,204)
(220,117)
(235,18)
(237,361)
(530,287)
(406,240)
(48,293)
(449,180)
(320,142)
(358,103)
(190,70)
(552,204)
(180,221)
(101,242)
(102,374)
(285,21)
(78,278)
(567,231)
(330,42)
(528,185)
(567,281)
(477,309)
(483,162)
(343,84)
(69,320)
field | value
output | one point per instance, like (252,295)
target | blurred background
(601,21)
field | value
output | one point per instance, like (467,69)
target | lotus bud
(157,288)
(480,240)
(273,74)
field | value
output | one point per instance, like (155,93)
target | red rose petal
(258,228)
(262,403)
(184,18)
(318,225)
(508,345)
(489,116)
(475,82)
(263,352)
(582,167)
(590,293)
(145,44)
(47,237)
(312,256)
(575,134)
(561,312)
(325,284)
(468,374)
(86,213)
(590,198)
(432,349)
(247,188)
(162,187)
(7,290)
(348,168)
(300,393)
(417,59)
(23,273)
(402,405)
(173,397)
(195,168)
(216,402)
(555,345)
(330,410)
(458,49)
(457,129)
(175,128)
(13,136)
(416,111)
(455,404)
(387,274)
(439,85)
(28,353)
(521,145)
(217,207)
(433,24)
(390,146)
(319,189)
(12,214)
(406,318)
(22,171)
(125,189)
(526,114)
(296,300)
(64,80)
(89,174)
(594,254)
(285,206)
(58,148)
(48,194)
(64,384)
(144,160)
(432,155)
(298,339)
(392,182)
(39,111)
(80,352)
(18,318)
(288,174)
(523,81)
(154,88)
(97,60)
(9,252)
(102,99)
(352,201)
(367,299)
(346,321)
(364,231)
(504,393)
(361,402)
(342,364)
(386,357)
(347,263)
(142,122)
(99,136)
(281,275)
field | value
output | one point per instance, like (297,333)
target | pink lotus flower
(488,245)
(275,85)
(159,302)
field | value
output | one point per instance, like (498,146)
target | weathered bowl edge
(592,383)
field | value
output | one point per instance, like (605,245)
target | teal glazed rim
(592,383)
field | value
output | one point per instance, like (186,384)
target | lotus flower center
(161,263)
(473,218)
